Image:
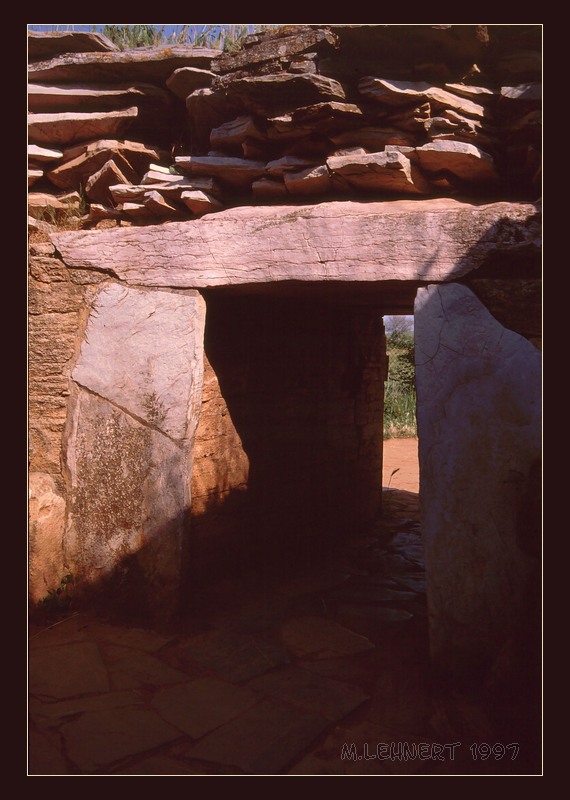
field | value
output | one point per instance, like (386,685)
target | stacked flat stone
(101,120)
(377,111)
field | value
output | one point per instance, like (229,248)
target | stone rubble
(284,117)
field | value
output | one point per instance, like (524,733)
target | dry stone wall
(314,112)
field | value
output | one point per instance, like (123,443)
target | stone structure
(207,354)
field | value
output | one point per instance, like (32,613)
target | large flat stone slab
(389,172)
(53,98)
(52,714)
(396,93)
(264,740)
(238,173)
(68,670)
(99,738)
(317,637)
(467,162)
(135,670)
(312,693)
(48,44)
(234,657)
(43,155)
(436,240)
(77,126)
(154,64)
(268,95)
(203,705)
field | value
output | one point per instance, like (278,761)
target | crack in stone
(178,442)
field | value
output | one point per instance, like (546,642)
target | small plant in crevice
(392,475)
(60,598)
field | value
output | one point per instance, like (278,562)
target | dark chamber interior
(293,404)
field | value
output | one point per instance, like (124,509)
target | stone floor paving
(324,673)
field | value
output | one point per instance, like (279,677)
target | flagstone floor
(323,673)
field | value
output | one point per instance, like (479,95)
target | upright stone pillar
(479,424)
(135,403)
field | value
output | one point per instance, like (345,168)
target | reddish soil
(401,455)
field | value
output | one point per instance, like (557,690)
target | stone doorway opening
(288,455)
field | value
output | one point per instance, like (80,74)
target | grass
(400,390)
(228,38)
(399,412)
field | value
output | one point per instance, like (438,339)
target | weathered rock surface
(154,64)
(70,127)
(397,93)
(138,211)
(516,303)
(239,173)
(468,368)
(235,132)
(203,705)
(185,80)
(199,202)
(70,97)
(34,175)
(314,180)
(527,92)
(159,206)
(99,211)
(42,204)
(55,304)
(123,358)
(48,44)
(129,452)
(47,523)
(83,160)
(43,155)
(465,161)
(381,172)
(373,138)
(171,190)
(268,188)
(431,240)
(97,738)
(158,174)
(272,49)
(274,94)
(479,94)
(97,187)
(280,166)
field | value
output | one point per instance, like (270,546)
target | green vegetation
(400,389)
(59,599)
(220,37)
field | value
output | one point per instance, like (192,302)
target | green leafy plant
(60,598)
